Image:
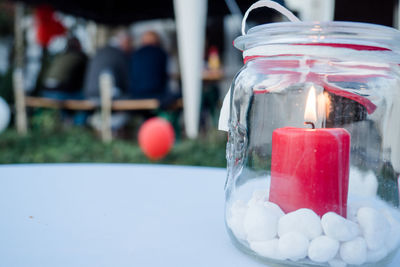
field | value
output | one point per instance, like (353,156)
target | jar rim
(321,32)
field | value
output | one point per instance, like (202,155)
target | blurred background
(78,80)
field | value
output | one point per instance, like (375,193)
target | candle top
(297,129)
(321,131)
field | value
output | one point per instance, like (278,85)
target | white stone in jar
(235,221)
(304,221)
(267,249)
(352,212)
(354,251)
(337,227)
(259,196)
(377,255)
(355,202)
(362,184)
(274,208)
(293,245)
(260,223)
(238,208)
(236,225)
(323,249)
(337,263)
(393,239)
(374,225)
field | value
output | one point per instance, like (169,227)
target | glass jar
(314,145)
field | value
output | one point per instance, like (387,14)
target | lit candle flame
(310,114)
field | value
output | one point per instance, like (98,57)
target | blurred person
(113,58)
(63,79)
(149,70)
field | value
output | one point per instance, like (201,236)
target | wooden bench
(116,105)
(106,106)
(43,102)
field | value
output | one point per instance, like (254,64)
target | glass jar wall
(314,145)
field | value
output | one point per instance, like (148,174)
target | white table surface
(115,215)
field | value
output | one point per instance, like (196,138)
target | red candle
(310,169)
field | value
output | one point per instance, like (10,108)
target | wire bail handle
(271,4)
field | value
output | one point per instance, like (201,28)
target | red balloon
(156,137)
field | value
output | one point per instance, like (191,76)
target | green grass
(50,142)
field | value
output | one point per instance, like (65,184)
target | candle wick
(312,124)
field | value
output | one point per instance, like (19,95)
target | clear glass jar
(329,196)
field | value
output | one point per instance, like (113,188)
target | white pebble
(323,249)
(236,225)
(260,223)
(259,196)
(375,227)
(274,208)
(363,184)
(352,210)
(370,184)
(393,238)
(293,245)
(337,227)
(352,213)
(238,208)
(267,249)
(376,255)
(236,218)
(304,221)
(354,251)
(337,263)
(355,202)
